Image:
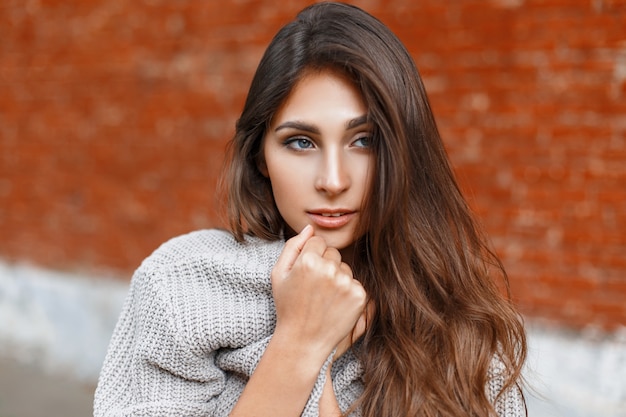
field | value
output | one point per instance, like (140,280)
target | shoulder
(210,285)
(212,255)
(215,244)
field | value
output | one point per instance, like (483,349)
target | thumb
(291,251)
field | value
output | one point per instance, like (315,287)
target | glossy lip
(322,219)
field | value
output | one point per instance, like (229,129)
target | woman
(354,279)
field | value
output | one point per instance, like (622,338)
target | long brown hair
(441,320)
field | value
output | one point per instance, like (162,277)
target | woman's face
(318,158)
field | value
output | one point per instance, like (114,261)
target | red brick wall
(114,117)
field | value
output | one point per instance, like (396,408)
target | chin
(334,241)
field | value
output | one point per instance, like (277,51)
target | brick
(114,117)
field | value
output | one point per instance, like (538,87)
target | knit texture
(197,319)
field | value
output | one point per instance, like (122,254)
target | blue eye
(363,142)
(299,143)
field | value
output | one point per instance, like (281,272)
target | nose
(333,175)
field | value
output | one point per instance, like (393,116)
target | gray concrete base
(55,329)
(576,374)
(58,322)
(27,391)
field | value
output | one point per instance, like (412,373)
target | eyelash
(300,140)
(292,141)
(368,140)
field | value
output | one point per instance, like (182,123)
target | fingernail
(306,228)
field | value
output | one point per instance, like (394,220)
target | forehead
(324,93)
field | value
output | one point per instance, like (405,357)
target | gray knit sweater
(198,317)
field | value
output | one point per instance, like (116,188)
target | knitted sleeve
(150,369)
(511,403)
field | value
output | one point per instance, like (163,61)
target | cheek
(284,187)
(366,174)
(286,180)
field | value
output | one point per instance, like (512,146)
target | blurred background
(114,116)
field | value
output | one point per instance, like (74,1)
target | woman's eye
(299,143)
(363,142)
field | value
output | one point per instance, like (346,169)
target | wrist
(302,353)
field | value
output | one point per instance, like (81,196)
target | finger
(316,245)
(310,258)
(345,269)
(332,254)
(292,250)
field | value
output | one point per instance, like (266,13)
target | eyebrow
(306,127)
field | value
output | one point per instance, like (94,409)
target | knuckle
(308,260)
(345,268)
(359,292)
(342,281)
(331,270)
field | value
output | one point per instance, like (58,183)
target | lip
(331,219)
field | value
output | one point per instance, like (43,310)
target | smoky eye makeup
(363,141)
(298,143)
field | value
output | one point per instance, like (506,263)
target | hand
(357,332)
(318,302)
